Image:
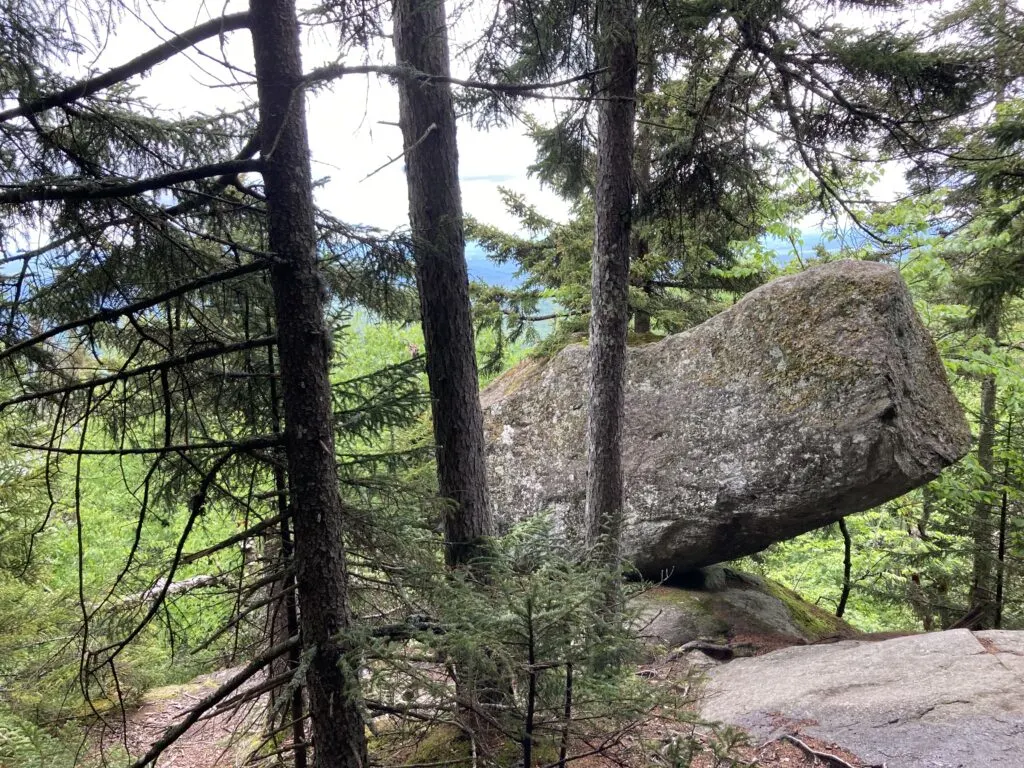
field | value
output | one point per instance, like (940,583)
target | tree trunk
(642,174)
(317,513)
(847,568)
(427,117)
(284,612)
(982,597)
(641,320)
(1003,521)
(609,319)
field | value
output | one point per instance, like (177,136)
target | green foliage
(23,744)
(518,638)
(761,118)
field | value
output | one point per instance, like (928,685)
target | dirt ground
(219,741)
(228,738)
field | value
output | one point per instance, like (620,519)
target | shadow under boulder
(733,614)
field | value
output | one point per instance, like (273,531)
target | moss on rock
(741,606)
(810,619)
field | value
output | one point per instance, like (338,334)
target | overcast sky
(348,134)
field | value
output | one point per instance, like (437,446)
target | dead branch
(240,616)
(250,694)
(825,757)
(197,507)
(248,533)
(173,733)
(251,443)
(176,588)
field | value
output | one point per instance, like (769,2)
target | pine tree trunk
(982,597)
(609,320)
(642,175)
(317,513)
(427,117)
(284,612)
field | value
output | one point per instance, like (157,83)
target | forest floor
(228,738)
(221,741)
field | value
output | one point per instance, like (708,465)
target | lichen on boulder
(818,395)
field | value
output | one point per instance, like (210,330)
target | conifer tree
(438,243)
(976,164)
(609,312)
(154,325)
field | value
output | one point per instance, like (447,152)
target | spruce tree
(830,96)
(609,312)
(177,318)
(427,117)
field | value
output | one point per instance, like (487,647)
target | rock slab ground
(939,700)
(818,395)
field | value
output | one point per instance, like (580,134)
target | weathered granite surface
(818,395)
(939,700)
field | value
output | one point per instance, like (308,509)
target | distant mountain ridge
(485,270)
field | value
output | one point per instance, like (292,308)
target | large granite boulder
(818,395)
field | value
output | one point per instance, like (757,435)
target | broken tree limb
(176,588)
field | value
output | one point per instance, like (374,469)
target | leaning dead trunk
(613,202)
(317,513)
(427,117)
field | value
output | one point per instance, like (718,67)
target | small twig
(430,129)
(248,533)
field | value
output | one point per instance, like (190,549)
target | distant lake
(483,269)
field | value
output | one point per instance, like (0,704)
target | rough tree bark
(982,596)
(317,512)
(609,320)
(642,178)
(427,117)
(284,612)
(844,596)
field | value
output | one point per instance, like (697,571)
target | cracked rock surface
(818,395)
(939,700)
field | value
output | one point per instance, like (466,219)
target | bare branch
(248,443)
(173,733)
(248,533)
(177,588)
(825,757)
